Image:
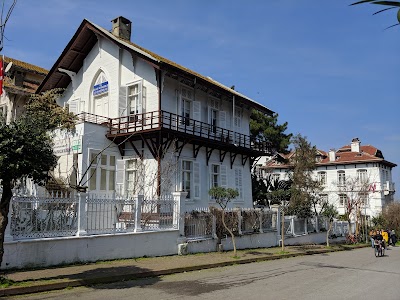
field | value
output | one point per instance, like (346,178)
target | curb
(20,290)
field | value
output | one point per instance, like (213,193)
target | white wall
(56,251)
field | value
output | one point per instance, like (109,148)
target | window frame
(341,176)
(322,177)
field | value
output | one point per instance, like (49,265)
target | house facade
(147,125)
(20,80)
(352,174)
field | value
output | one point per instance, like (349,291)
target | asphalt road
(355,274)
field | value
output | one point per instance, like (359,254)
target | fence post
(214,226)
(260,218)
(138,212)
(179,211)
(278,225)
(292,226)
(238,211)
(305,226)
(81,214)
(7,234)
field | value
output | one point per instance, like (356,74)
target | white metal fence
(58,215)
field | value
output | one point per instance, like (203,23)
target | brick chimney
(355,145)
(122,28)
(332,155)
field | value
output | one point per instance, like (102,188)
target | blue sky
(329,69)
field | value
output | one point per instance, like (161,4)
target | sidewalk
(40,280)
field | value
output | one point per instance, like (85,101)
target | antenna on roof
(8,67)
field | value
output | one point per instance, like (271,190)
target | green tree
(330,212)
(26,149)
(270,190)
(305,187)
(266,128)
(223,196)
(390,4)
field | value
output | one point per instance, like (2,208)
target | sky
(330,70)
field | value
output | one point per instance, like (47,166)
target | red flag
(1,75)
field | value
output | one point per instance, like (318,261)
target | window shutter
(82,107)
(178,177)
(120,177)
(123,101)
(238,181)
(223,176)
(139,104)
(196,179)
(222,119)
(73,106)
(196,110)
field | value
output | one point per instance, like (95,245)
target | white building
(148,125)
(353,171)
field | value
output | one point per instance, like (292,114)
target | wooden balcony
(158,130)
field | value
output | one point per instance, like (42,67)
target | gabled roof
(86,37)
(27,86)
(25,66)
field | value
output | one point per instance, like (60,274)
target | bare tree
(4,19)
(353,196)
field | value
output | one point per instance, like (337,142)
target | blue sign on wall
(100,88)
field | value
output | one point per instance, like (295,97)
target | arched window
(99,95)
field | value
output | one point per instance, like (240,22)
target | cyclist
(378,237)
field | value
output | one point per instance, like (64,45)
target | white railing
(199,224)
(59,215)
(50,216)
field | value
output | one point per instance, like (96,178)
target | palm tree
(391,4)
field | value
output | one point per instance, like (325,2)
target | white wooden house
(155,126)
(354,172)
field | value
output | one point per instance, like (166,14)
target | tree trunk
(230,232)
(283,230)
(327,233)
(4,209)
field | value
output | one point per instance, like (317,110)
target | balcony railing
(165,120)
(91,118)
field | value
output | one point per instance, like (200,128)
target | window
(362,176)
(237,118)
(363,199)
(135,103)
(341,177)
(322,178)
(215,173)
(213,120)
(186,106)
(342,199)
(276,177)
(100,97)
(187,176)
(102,172)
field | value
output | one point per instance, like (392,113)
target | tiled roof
(26,66)
(344,155)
